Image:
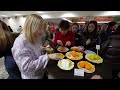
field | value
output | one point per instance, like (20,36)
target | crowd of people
(25,52)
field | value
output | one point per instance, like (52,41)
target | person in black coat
(103,33)
(110,50)
(90,38)
(111,27)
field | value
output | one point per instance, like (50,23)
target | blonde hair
(32,24)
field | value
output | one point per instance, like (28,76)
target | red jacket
(69,36)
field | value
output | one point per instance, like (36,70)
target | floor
(3,72)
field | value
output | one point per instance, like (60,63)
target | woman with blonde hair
(6,42)
(27,50)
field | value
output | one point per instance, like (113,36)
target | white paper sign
(98,47)
(79,72)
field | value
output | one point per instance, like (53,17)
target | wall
(14,23)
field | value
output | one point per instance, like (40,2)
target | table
(104,69)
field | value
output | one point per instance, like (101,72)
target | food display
(62,49)
(89,52)
(49,49)
(73,55)
(79,49)
(65,64)
(94,58)
(56,56)
(88,67)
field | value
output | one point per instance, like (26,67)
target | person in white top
(27,50)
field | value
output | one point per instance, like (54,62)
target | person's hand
(96,77)
(68,43)
(88,42)
(59,42)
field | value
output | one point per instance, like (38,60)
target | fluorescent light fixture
(67,20)
(45,16)
(97,22)
(110,13)
(68,15)
(80,22)
(3,15)
(39,12)
(17,14)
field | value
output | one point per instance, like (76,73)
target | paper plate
(71,65)
(100,60)
(87,71)
(89,52)
(62,49)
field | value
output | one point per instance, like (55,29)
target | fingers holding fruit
(68,43)
(59,42)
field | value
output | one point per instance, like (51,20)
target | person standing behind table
(103,33)
(64,37)
(19,29)
(43,38)
(90,38)
(27,50)
(75,30)
(111,27)
(6,42)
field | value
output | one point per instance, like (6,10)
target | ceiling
(59,14)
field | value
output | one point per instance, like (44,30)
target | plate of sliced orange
(88,67)
(56,56)
(79,48)
(73,55)
(62,49)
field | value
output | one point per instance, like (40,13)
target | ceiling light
(110,13)
(67,20)
(40,12)
(17,14)
(3,15)
(68,15)
(45,16)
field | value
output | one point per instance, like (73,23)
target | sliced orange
(82,64)
(74,54)
(88,67)
(62,48)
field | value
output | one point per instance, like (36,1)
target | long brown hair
(6,37)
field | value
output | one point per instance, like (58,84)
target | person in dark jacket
(90,38)
(10,28)
(117,31)
(110,50)
(6,42)
(111,27)
(103,33)
(75,30)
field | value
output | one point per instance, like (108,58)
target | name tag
(98,47)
